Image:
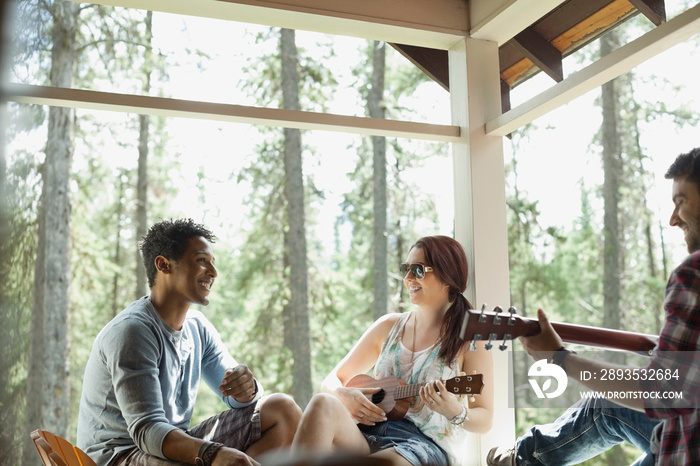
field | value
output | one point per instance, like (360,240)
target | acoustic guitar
(493,326)
(395,394)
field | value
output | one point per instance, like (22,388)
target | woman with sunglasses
(421,347)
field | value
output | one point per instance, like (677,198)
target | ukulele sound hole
(378,397)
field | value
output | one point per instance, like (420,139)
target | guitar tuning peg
(489,345)
(496,317)
(482,316)
(472,345)
(511,319)
(506,337)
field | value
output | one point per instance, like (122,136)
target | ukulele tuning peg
(472,399)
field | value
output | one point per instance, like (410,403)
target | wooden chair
(57,451)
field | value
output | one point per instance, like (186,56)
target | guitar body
(395,409)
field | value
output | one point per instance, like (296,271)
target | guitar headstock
(495,325)
(471,384)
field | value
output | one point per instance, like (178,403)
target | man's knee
(283,407)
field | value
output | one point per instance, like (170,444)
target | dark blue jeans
(407,440)
(585,430)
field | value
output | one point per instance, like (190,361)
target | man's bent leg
(235,428)
(279,419)
(585,430)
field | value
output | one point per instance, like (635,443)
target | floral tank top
(418,368)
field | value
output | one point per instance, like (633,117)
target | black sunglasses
(418,270)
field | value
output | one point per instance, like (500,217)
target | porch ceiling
(533,36)
(542,45)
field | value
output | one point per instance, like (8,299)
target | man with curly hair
(144,370)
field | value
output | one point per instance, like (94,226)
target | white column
(480,207)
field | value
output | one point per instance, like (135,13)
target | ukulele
(494,326)
(395,394)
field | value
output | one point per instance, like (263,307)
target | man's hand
(544,344)
(238,383)
(230,456)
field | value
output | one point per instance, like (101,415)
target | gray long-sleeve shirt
(142,377)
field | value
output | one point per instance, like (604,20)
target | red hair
(449,262)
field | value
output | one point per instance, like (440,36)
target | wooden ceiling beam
(541,53)
(654,10)
(620,61)
(501,20)
(437,24)
(432,62)
(147,105)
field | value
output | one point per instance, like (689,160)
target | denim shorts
(407,440)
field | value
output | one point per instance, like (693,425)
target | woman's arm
(360,359)
(481,409)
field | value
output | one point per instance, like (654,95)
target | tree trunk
(142,183)
(48,385)
(297,309)
(611,195)
(375,104)
(611,198)
(116,304)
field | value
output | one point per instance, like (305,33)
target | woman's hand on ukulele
(436,396)
(357,402)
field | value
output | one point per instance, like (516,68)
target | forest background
(311,225)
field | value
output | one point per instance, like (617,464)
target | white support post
(480,207)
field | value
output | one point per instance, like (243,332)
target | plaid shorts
(236,428)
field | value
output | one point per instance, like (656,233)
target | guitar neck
(600,337)
(499,325)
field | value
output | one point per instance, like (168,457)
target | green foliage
(17,246)
(558,269)
(118,51)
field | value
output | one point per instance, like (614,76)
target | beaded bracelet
(461,417)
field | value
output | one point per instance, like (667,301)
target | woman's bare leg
(327,426)
(392,457)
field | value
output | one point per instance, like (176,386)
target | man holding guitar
(411,410)
(667,431)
